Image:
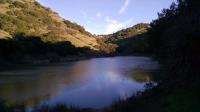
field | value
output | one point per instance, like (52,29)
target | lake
(92,83)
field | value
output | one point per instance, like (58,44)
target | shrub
(18,4)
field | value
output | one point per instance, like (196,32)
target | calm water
(93,83)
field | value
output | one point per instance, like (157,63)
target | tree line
(21,46)
(175,38)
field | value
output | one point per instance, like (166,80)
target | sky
(107,16)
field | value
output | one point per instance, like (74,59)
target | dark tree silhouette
(175,36)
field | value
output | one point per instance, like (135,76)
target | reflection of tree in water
(141,76)
(18,93)
(35,85)
(32,86)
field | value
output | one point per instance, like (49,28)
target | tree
(175,36)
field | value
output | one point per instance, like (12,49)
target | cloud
(124,6)
(98,14)
(114,25)
(108,20)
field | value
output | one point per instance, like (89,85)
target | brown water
(93,83)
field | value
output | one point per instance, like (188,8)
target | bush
(77,27)
(5,1)
(18,4)
(26,45)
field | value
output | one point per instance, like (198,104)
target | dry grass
(61,30)
(4,35)
(4,8)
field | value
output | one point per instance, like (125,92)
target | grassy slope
(33,19)
(4,34)
(126,33)
(132,40)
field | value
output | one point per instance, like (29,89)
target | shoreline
(5,65)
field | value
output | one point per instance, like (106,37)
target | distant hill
(131,40)
(126,33)
(32,19)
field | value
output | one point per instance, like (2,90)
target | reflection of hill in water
(34,85)
(90,83)
(141,76)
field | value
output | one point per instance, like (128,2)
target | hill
(32,19)
(127,33)
(130,40)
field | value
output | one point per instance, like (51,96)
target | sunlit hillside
(30,18)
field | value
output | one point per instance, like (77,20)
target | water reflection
(91,83)
(141,76)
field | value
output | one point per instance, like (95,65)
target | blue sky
(107,16)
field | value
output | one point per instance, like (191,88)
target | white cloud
(108,20)
(98,14)
(114,25)
(124,6)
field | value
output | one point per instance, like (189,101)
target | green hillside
(131,40)
(32,19)
(127,33)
